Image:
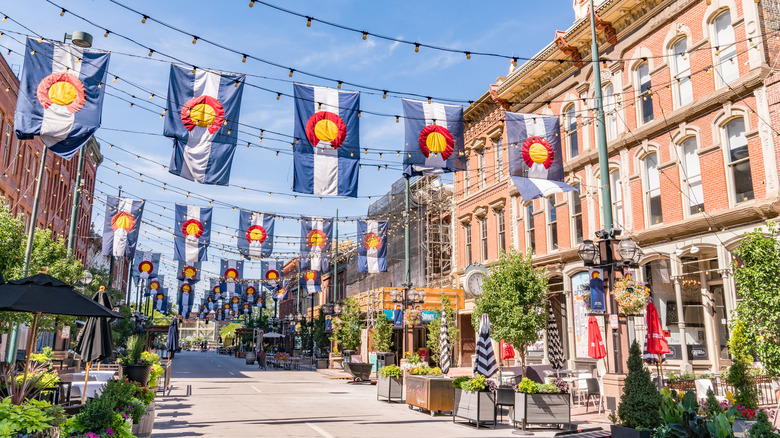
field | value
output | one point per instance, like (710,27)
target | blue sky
(514,27)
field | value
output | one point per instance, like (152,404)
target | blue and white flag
(311,281)
(327,156)
(272,272)
(146,264)
(154,285)
(535,159)
(192,233)
(189,272)
(598,301)
(328,323)
(255,234)
(372,246)
(251,293)
(120,230)
(229,290)
(202,119)
(60,97)
(215,289)
(160,300)
(316,235)
(235,304)
(186,298)
(210,302)
(231,271)
(433,138)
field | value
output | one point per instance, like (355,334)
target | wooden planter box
(432,394)
(478,407)
(542,409)
(390,388)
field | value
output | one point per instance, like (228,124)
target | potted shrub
(33,418)
(100,418)
(135,366)
(390,383)
(475,400)
(541,403)
(382,339)
(639,406)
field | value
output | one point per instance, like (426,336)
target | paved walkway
(218,396)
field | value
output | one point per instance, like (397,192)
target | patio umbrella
(655,343)
(596,348)
(95,341)
(444,345)
(507,352)
(42,293)
(173,338)
(486,358)
(554,349)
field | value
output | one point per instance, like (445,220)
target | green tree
(641,402)
(514,296)
(434,328)
(738,375)
(123,328)
(382,334)
(758,280)
(320,336)
(228,333)
(346,329)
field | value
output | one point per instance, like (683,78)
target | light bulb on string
(292,70)
(308,21)
(365,36)
(62,14)
(244,59)
(194,39)
(416,47)
(143,20)
(107,32)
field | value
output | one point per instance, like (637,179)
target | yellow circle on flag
(436,142)
(63,93)
(326,130)
(256,234)
(193,229)
(538,153)
(315,239)
(123,221)
(203,115)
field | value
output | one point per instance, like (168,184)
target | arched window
(739,160)
(727,68)
(681,73)
(644,94)
(616,192)
(571,131)
(652,190)
(694,193)
(610,120)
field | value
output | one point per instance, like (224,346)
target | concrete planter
(144,427)
(390,388)
(250,358)
(477,407)
(322,364)
(542,409)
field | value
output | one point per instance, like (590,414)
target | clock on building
(472,281)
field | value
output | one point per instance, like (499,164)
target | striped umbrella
(554,349)
(444,345)
(486,358)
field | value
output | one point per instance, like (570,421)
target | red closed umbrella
(655,343)
(507,351)
(596,347)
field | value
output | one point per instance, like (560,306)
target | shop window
(726,66)
(739,161)
(644,93)
(571,131)
(529,227)
(652,190)
(552,223)
(576,215)
(681,73)
(694,192)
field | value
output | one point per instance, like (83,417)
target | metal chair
(592,389)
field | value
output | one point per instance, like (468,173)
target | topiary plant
(640,403)
(738,374)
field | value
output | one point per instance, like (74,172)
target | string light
(194,39)
(107,32)
(339,85)
(151,52)
(292,70)
(468,55)
(244,59)
(365,36)
(384,94)
(308,21)
(278,96)
(252,4)
(416,47)
(143,20)
(62,14)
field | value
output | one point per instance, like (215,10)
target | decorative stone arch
(637,56)
(643,151)
(714,8)
(682,133)
(728,113)
(677,32)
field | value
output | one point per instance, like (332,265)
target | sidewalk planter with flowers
(542,403)
(474,400)
(135,366)
(390,383)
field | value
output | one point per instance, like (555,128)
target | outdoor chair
(59,394)
(582,386)
(592,389)
(704,385)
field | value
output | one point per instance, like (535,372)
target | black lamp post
(610,254)
(408,297)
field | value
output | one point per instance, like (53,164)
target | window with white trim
(694,193)
(681,73)
(610,118)
(739,161)
(724,42)
(576,215)
(571,131)
(483,230)
(467,239)
(552,223)
(481,164)
(652,190)
(466,179)
(529,227)
(644,93)
(616,193)
(498,147)
(501,227)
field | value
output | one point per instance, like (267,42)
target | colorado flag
(372,246)
(327,156)
(311,281)
(189,272)
(229,290)
(60,97)
(186,298)
(120,230)
(154,286)
(160,301)
(192,233)
(231,270)
(316,234)
(272,272)
(255,234)
(202,119)
(251,292)
(215,289)
(535,159)
(282,290)
(434,138)
(145,264)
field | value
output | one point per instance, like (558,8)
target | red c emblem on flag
(204,112)
(310,275)
(250,290)
(186,288)
(372,241)
(435,139)
(216,290)
(160,297)
(316,238)
(123,220)
(256,233)
(326,126)
(231,273)
(192,227)
(154,285)
(189,271)
(538,150)
(272,274)
(145,266)
(62,89)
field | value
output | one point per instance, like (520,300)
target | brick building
(691,98)
(19,163)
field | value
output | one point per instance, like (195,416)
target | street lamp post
(407,297)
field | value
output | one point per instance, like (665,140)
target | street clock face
(473,282)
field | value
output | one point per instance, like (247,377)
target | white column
(710,330)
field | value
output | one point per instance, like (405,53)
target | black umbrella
(173,338)
(42,293)
(95,340)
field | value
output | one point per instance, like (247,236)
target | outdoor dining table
(93,388)
(100,376)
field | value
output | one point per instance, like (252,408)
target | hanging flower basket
(631,296)
(413,317)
